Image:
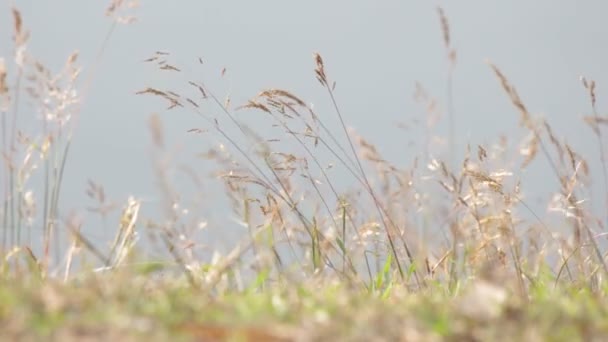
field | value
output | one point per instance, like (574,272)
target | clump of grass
(25,151)
(481,222)
(318,259)
(36,139)
(482,211)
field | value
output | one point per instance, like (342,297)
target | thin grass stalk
(590,86)
(344,248)
(254,245)
(13,138)
(453,268)
(59,182)
(370,190)
(7,165)
(46,221)
(516,257)
(12,213)
(451,57)
(179,260)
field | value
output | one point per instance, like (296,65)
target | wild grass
(441,250)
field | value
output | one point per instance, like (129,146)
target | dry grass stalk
(525,120)
(126,235)
(119,9)
(451,56)
(445,27)
(171,97)
(97,193)
(595,121)
(320,69)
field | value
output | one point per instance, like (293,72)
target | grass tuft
(437,250)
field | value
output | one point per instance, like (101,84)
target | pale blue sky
(375,50)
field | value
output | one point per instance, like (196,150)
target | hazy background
(375,50)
